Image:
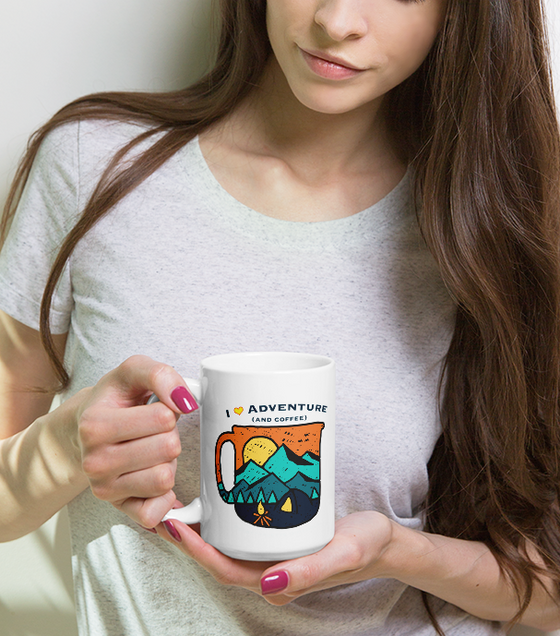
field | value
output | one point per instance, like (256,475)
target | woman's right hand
(129,449)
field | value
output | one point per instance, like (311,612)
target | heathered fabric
(180,270)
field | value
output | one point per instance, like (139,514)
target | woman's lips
(329,67)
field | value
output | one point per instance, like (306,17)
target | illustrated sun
(259,449)
(261,516)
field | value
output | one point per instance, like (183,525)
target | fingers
(147,512)
(129,449)
(150,482)
(140,375)
(100,424)
(353,555)
(224,569)
(150,442)
(141,468)
(280,583)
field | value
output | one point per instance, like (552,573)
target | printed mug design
(277,473)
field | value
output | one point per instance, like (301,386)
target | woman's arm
(24,366)
(104,437)
(40,467)
(40,472)
(466,574)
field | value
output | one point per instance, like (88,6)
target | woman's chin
(332,100)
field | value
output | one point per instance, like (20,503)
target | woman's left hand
(368,545)
(355,554)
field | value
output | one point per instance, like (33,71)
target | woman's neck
(316,145)
(287,161)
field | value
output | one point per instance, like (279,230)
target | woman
(375,181)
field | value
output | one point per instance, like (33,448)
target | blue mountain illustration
(269,489)
(309,486)
(283,493)
(311,457)
(285,464)
(250,472)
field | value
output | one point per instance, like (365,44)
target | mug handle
(224,437)
(193,512)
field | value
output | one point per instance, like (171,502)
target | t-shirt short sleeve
(47,211)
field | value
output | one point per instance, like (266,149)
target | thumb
(355,553)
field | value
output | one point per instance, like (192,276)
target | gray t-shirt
(180,270)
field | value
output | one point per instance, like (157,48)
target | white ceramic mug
(275,412)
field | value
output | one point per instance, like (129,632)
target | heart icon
(238,410)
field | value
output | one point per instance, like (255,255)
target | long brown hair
(478,122)
(488,177)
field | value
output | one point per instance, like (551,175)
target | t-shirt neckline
(372,223)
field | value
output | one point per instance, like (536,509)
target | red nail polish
(172,530)
(184,399)
(274,582)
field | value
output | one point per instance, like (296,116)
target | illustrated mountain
(285,464)
(282,493)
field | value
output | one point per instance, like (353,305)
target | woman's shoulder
(89,141)
(77,153)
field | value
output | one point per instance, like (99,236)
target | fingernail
(147,529)
(172,531)
(184,399)
(275,582)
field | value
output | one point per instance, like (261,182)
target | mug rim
(214,363)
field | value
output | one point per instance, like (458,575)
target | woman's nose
(341,19)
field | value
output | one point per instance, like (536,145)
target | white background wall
(50,53)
